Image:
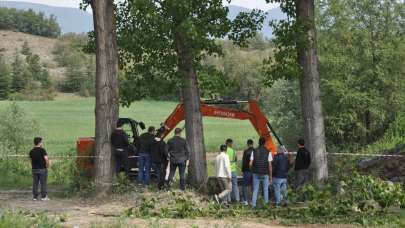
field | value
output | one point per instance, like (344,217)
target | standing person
(260,163)
(179,154)
(224,175)
(120,142)
(40,164)
(159,158)
(281,165)
(144,164)
(247,173)
(302,163)
(233,158)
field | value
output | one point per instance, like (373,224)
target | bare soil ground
(96,213)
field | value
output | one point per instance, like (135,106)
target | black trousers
(160,169)
(182,173)
(39,177)
(121,161)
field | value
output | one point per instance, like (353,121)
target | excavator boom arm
(254,115)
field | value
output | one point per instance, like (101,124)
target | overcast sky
(259,4)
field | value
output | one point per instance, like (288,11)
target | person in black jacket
(159,158)
(281,165)
(302,163)
(179,153)
(247,173)
(119,140)
(144,164)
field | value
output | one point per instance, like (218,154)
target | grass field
(66,118)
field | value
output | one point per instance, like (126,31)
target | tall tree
(106,91)
(296,56)
(311,104)
(172,36)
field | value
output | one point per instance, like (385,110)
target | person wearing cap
(120,142)
(179,155)
(281,165)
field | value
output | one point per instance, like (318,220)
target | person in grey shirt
(179,154)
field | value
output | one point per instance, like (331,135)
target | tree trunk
(106,92)
(314,129)
(194,128)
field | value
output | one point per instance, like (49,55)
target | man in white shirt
(224,175)
(260,161)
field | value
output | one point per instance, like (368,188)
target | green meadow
(65,119)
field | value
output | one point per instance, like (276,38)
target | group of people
(153,154)
(258,166)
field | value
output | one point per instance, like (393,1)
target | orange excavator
(215,108)
(209,108)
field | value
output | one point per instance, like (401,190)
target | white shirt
(223,165)
(270,159)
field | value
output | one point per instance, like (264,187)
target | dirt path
(87,213)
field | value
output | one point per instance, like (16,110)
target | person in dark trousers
(159,157)
(260,163)
(40,164)
(179,154)
(302,163)
(247,173)
(281,165)
(144,163)
(120,142)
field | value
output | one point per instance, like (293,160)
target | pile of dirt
(386,168)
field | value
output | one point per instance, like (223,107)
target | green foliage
(80,67)
(5,78)
(283,106)
(157,36)
(360,45)
(17,129)
(122,184)
(29,22)
(20,219)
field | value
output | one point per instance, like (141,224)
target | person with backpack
(302,163)
(247,173)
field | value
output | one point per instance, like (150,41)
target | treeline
(25,78)
(29,22)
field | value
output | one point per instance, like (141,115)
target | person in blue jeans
(247,174)
(260,163)
(233,158)
(144,162)
(281,165)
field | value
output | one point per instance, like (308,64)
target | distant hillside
(78,21)
(69,19)
(12,42)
